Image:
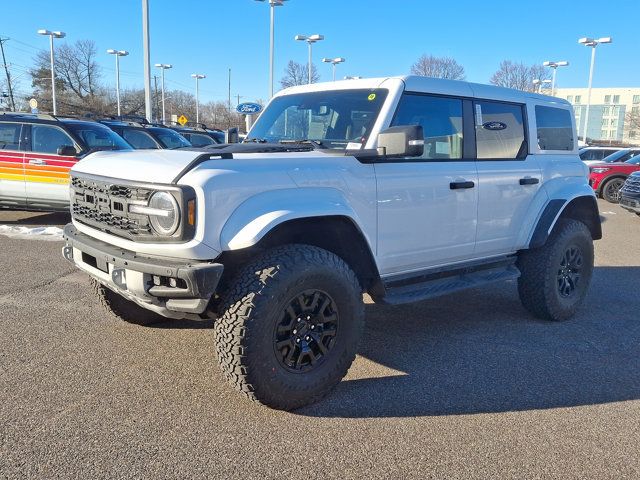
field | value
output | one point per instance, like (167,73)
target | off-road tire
(612,197)
(124,309)
(252,312)
(539,282)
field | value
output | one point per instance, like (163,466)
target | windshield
(331,118)
(98,137)
(169,138)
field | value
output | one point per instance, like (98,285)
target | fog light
(119,277)
(173,283)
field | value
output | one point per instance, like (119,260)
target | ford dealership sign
(249,108)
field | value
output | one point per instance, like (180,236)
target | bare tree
(298,74)
(438,67)
(518,75)
(632,119)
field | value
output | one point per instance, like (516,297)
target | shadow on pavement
(12,217)
(481,352)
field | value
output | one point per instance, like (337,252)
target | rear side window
(200,140)
(555,128)
(441,120)
(139,139)
(9,136)
(499,130)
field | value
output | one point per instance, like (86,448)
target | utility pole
(6,69)
(229,99)
(155,89)
(238,99)
(147,59)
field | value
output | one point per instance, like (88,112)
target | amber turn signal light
(191,212)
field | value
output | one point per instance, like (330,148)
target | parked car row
(37,151)
(630,193)
(609,175)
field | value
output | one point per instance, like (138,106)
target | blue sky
(377,37)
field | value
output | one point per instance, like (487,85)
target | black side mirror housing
(231,135)
(402,141)
(66,151)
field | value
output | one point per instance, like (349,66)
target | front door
(12,185)
(427,207)
(46,172)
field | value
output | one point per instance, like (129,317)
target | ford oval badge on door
(494,126)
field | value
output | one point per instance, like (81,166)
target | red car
(607,178)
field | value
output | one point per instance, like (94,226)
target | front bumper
(630,203)
(174,288)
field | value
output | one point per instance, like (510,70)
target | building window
(616,99)
(614,122)
(632,134)
(603,134)
(605,122)
(605,110)
(570,98)
(635,110)
(578,98)
(636,99)
(615,110)
(612,134)
(607,99)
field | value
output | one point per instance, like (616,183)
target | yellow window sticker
(371,97)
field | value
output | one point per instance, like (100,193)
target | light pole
(555,66)
(118,54)
(197,76)
(591,42)
(52,35)
(146,49)
(163,67)
(272,4)
(311,39)
(333,62)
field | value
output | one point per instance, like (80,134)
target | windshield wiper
(316,144)
(254,140)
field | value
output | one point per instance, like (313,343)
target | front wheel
(611,190)
(290,326)
(555,277)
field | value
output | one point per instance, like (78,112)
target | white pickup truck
(405,188)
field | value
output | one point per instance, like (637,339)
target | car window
(10,136)
(499,130)
(170,139)
(441,121)
(139,139)
(98,137)
(47,139)
(633,161)
(200,140)
(555,128)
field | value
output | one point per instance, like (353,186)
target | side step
(440,285)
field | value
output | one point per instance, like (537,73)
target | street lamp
(311,39)
(272,4)
(52,35)
(333,62)
(118,54)
(197,76)
(163,67)
(555,66)
(591,42)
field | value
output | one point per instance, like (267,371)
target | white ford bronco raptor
(405,188)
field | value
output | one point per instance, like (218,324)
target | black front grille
(105,206)
(632,185)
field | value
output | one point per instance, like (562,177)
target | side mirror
(66,151)
(402,141)
(231,135)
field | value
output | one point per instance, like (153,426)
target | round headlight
(167,218)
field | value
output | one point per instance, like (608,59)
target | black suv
(630,193)
(36,153)
(143,135)
(199,134)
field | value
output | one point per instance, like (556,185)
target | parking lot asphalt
(464,386)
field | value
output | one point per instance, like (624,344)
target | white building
(608,114)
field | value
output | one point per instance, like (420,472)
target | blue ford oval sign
(249,108)
(494,126)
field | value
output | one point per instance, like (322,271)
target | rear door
(46,172)
(12,183)
(508,176)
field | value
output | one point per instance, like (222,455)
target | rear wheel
(555,277)
(611,190)
(290,326)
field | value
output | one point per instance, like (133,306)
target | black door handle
(529,181)
(459,185)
